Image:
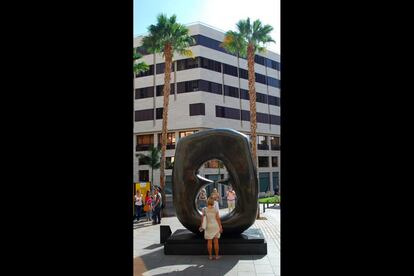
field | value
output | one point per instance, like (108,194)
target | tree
(152,160)
(139,66)
(169,37)
(235,44)
(256,36)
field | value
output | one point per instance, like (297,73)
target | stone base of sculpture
(184,242)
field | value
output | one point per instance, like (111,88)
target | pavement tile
(263,268)
(245,267)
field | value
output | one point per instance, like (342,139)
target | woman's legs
(210,247)
(216,246)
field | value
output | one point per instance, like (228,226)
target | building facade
(204,95)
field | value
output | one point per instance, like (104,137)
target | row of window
(144,142)
(202,62)
(206,86)
(215,45)
(263,161)
(234,113)
(221,112)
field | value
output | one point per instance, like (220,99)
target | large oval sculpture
(232,148)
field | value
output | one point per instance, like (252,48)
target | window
(160,89)
(262,142)
(274,120)
(197,109)
(227,112)
(145,92)
(143,161)
(244,74)
(276,182)
(186,133)
(150,72)
(144,142)
(273,82)
(170,140)
(231,91)
(144,115)
(158,112)
(245,115)
(169,162)
(259,59)
(275,143)
(143,175)
(261,98)
(210,64)
(274,100)
(244,94)
(264,182)
(260,78)
(263,161)
(230,70)
(262,118)
(274,161)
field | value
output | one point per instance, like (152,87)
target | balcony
(143,147)
(262,146)
(169,146)
(275,147)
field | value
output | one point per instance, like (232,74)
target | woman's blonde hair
(210,201)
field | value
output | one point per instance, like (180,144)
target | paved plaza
(149,258)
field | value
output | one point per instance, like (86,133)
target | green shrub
(272,199)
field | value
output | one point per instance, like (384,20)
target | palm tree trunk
(240,101)
(166,92)
(252,100)
(155,92)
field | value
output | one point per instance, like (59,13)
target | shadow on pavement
(157,263)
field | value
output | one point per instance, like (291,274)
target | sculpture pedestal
(185,242)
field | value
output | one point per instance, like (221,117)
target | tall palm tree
(256,36)
(234,43)
(171,37)
(152,160)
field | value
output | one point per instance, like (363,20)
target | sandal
(210,257)
(217,257)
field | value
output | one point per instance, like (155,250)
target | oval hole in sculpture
(215,171)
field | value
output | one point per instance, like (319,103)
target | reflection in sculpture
(232,148)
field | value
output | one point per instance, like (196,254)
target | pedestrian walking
(213,228)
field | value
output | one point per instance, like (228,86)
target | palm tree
(234,43)
(170,37)
(256,36)
(152,160)
(139,66)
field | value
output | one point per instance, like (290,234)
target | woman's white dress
(212,229)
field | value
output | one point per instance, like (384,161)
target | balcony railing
(262,146)
(275,147)
(143,147)
(169,146)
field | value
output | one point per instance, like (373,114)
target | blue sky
(222,14)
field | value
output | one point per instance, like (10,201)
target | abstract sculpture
(233,149)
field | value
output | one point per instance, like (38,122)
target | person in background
(148,202)
(138,205)
(202,199)
(156,208)
(216,196)
(213,228)
(231,199)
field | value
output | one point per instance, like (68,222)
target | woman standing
(213,228)
(138,205)
(148,204)
(202,199)
(216,196)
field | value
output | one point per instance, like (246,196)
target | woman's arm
(219,222)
